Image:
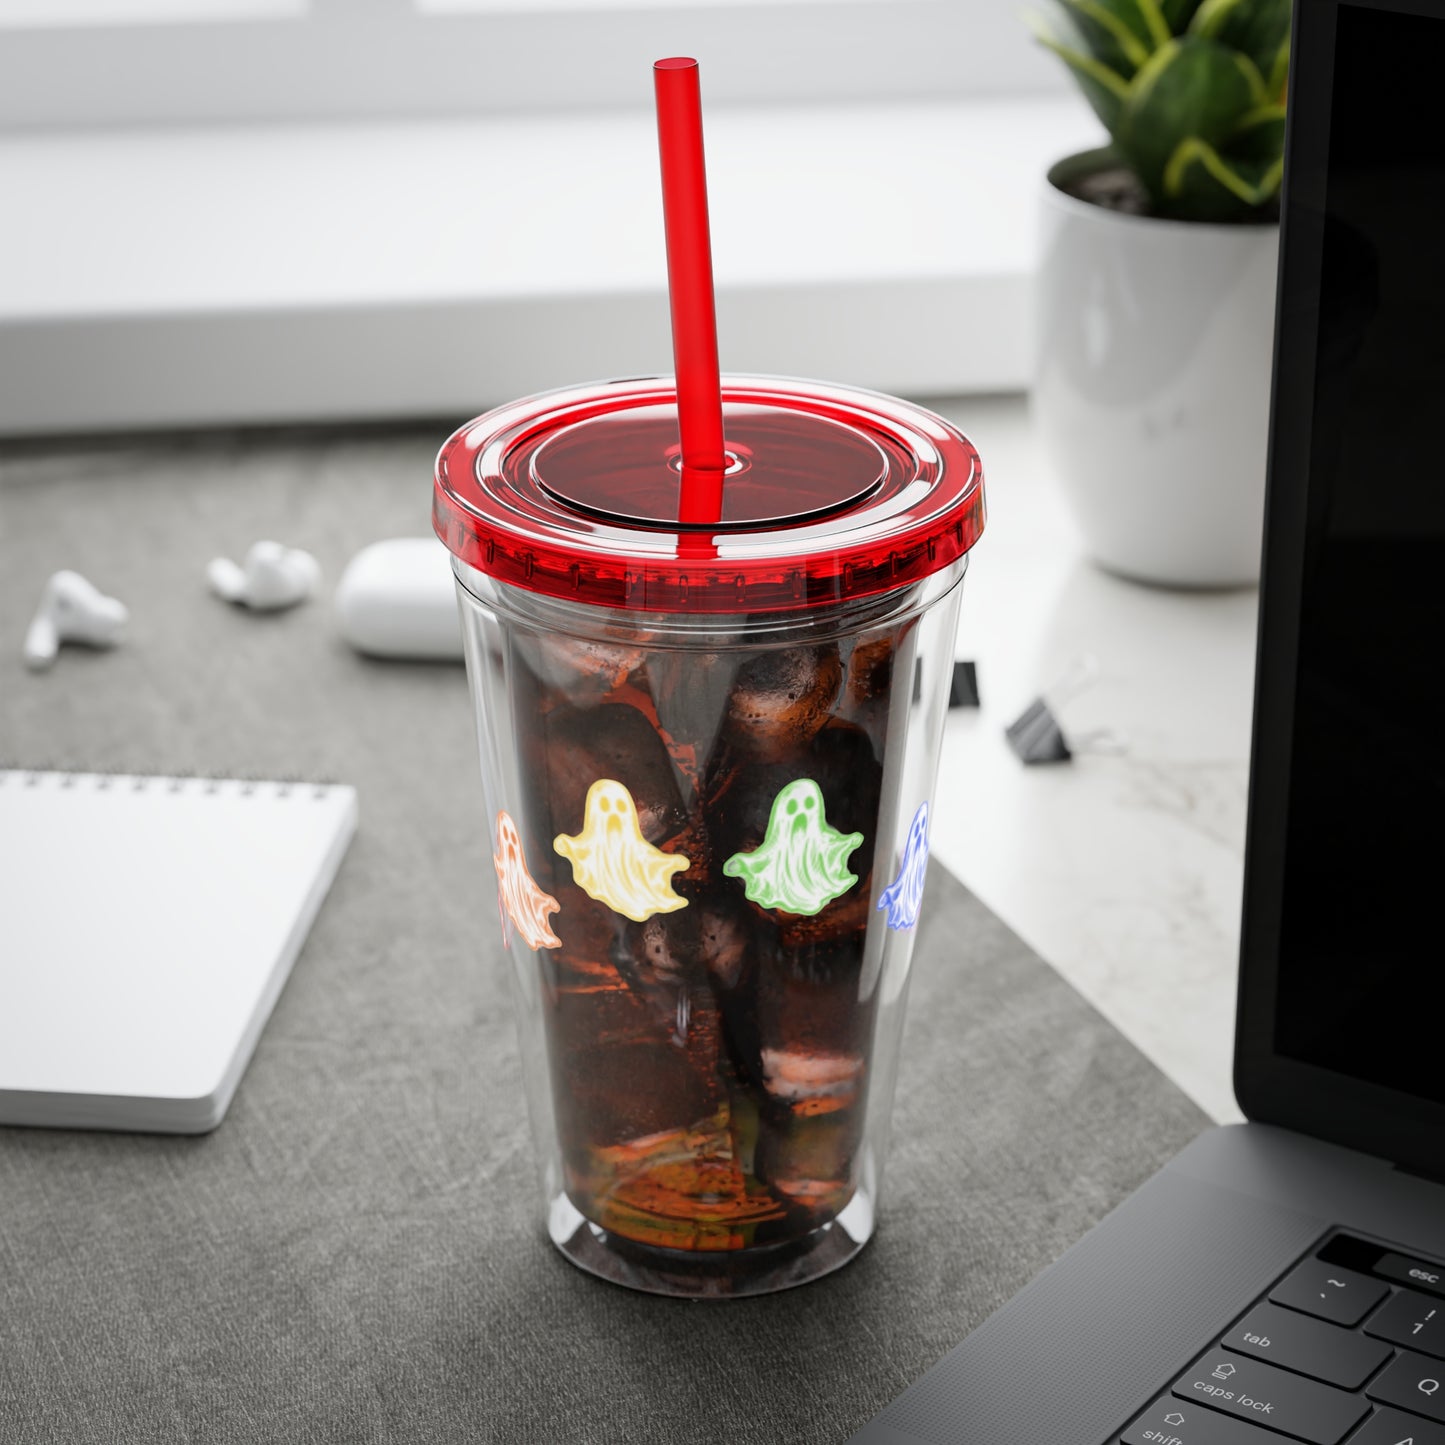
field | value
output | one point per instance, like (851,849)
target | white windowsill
(428,267)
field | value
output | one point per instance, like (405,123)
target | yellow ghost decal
(613,863)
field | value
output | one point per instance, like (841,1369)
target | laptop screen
(1361,941)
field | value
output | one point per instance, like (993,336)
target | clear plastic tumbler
(708,756)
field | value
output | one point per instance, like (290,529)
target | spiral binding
(245,785)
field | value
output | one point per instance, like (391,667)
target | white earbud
(273,577)
(72,610)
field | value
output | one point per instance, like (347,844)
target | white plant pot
(1152,375)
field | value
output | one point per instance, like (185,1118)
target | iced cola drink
(708,759)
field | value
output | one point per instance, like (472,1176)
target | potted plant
(1155,299)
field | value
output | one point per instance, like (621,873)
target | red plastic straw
(689,284)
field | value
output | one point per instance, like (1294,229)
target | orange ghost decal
(518,896)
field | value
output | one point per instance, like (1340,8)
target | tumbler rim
(568,494)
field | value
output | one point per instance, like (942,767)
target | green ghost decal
(800,864)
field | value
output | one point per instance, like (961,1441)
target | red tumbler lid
(831,493)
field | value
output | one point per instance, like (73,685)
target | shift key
(1174,1422)
(1249,1390)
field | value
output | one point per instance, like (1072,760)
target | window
(60,14)
(261,210)
(105,62)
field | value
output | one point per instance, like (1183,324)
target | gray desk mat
(357,1253)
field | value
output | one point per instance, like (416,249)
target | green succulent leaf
(1250,71)
(1259,136)
(1105,89)
(1256,28)
(1201,184)
(1192,93)
(1114,31)
(1189,89)
(1178,14)
(1278,77)
(1156,21)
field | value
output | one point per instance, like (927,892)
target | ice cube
(781,698)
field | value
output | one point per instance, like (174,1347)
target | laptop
(1284,1279)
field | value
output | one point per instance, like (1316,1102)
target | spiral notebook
(147,927)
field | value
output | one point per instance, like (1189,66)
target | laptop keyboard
(1348,1348)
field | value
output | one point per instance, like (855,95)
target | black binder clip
(1036,735)
(963,688)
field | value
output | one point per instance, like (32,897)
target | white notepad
(147,927)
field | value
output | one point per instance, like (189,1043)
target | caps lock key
(1289,1403)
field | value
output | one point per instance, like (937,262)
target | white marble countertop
(1122,868)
